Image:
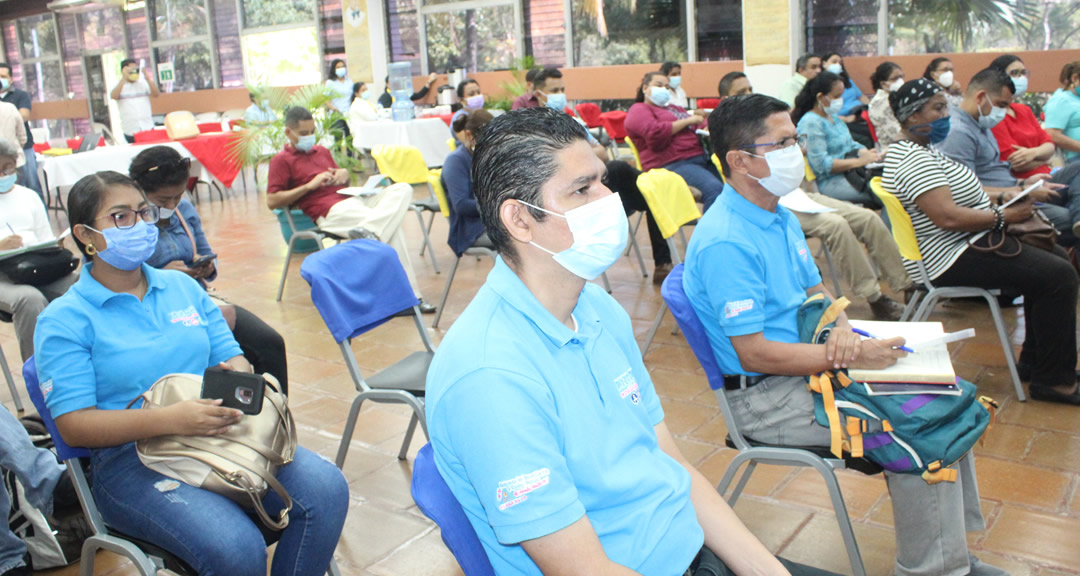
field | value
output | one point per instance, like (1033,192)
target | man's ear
(736,161)
(517,221)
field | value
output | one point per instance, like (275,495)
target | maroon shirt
(292,168)
(650,129)
(526,100)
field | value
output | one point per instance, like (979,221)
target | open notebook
(930,364)
(4,255)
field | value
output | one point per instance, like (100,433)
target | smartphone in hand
(203,261)
(238,390)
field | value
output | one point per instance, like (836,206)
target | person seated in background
(845,230)
(673,71)
(526,97)
(807,67)
(132,95)
(259,112)
(360,108)
(25,223)
(306,175)
(1063,112)
(162,174)
(853,96)
(941,70)
(886,79)
(830,150)
(470,98)
(466,228)
(947,204)
(548,90)
(122,327)
(748,272)
(28,175)
(386,99)
(971,143)
(666,137)
(733,84)
(544,421)
(13,131)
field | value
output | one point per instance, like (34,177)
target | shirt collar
(747,210)
(98,295)
(507,285)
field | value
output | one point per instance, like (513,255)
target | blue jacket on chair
(465,223)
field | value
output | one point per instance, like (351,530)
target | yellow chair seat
(670,201)
(401,163)
(435,179)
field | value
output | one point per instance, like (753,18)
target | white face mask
(896,85)
(165,213)
(786,170)
(600,233)
(945,79)
(834,107)
(1021,85)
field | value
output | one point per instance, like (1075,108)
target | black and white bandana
(911,97)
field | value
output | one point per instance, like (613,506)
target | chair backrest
(401,163)
(209,127)
(590,113)
(435,179)
(181,125)
(687,319)
(232,114)
(451,144)
(614,124)
(669,198)
(810,176)
(870,125)
(33,389)
(903,230)
(634,151)
(434,498)
(707,103)
(719,167)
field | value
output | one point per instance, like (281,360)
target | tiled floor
(1029,466)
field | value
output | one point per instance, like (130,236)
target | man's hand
(12,242)
(431,79)
(321,179)
(1023,159)
(879,354)
(843,347)
(341,177)
(1048,192)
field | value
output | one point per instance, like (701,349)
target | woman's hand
(181,266)
(11,242)
(1024,159)
(1021,210)
(202,417)
(868,156)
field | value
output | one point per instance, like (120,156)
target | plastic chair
(672,205)
(688,321)
(406,164)
(434,498)
(435,179)
(873,131)
(451,144)
(5,317)
(296,235)
(614,124)
(634,151)
(590,114)
(904,233)
(357,286)
(707,103)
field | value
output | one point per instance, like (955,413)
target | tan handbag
(241,464)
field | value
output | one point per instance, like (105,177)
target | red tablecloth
(212,151)
(151,136)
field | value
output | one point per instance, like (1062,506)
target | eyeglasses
(799,140)
(124,219)
(181,164)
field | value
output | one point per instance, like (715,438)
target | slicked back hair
(992,80)
(740,120)
(514,157)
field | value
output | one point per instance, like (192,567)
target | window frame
(209,38)
(315,23)
(423,9)
(57,59)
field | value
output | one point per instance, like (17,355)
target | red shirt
(650,129)
(1024,131)
(526,100)
(292,168)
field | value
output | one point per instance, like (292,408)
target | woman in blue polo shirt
(120,328)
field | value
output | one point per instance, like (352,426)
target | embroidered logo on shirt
(46,388)
(188,317)
(512,492)
(804,252)
(628,386)
(736,307)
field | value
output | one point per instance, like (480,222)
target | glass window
(719,30)
(259,13)
(849,27)
(179,19)
(102,29)
(404,31)
(628,32)
(194,70)
(283,58)
(479,40)
(43,81)
(38,35)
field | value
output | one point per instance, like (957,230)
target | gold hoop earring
(90,250)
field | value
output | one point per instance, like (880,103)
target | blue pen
(866,334)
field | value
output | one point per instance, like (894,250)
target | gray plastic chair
(477,251)
(315,234)
(5,317)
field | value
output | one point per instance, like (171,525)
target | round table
(427,134)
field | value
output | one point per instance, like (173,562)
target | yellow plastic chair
(451,144)
(435,181)
(672,205)
(904,233)
(633,150)
(406,164)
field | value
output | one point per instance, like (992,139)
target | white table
(427,134)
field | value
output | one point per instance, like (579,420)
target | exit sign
(166,72)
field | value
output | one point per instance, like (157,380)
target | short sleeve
(738,299)
(278,176)
(223,345)
(1058,112)
(503,429)
(65,369)
(918,173)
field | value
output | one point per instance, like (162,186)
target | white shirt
(679,98)
(134,106)
(22,210)
(13,129)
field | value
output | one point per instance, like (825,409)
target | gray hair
(8,150)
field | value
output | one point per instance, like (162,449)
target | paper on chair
(930,364)
(372,186)
(798,201)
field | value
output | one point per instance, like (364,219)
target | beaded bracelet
(999,219)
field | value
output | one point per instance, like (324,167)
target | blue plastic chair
(437,502)
(357,286)
(749,454)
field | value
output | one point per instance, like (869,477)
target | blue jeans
(700,174)
(38,472)
(191,522)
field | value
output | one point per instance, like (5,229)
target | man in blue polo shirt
(748,270)
(544,421)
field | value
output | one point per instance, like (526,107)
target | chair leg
(445,293)
(333,570)
(607,285)
(1003,335)
(640,260)
(430,222)
(350,425)
(909,308)
(10,382)
(654,328)
(118,546)
(427,242)
(408,437)
(743,481)
(633,231)
(842,518)
(285,268)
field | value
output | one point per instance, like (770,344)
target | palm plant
(957,21)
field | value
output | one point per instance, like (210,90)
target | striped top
(912,170)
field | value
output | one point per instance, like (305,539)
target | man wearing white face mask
(748,271)
(544,421)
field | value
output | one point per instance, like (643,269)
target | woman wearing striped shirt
(947,205)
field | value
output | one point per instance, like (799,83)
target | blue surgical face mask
(1021,85)
(993,118)
(675,82)
(340,72)
(834,68)
(4,84)
(7,183)
(128,248)
(937,131)
(556,102)
(660,96)
(305,143)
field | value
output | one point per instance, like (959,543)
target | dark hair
(738,121)
(126,61)
(356,90)
(807,98)
(667,67)
(843,71)
(1004,61)
(724,87)
(474,122)
(333,66)
(157,167)
(530,76)
(992,80)
(542,76)
(933,66)
(86,197)
(297,114)
(7,67)
(645,80)
(514,157)
(881,74)
(804,61)
(461,86)
(1067,72)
